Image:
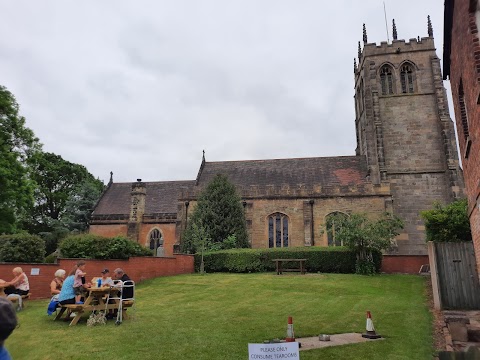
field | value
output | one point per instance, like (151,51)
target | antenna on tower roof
(386,24)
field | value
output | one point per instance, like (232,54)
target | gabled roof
(161,197)
(324,171)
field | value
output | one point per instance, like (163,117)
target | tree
(60,186)
(220,214)
(17,144)
(365,236)
(448,222)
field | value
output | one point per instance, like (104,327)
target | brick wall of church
(168,234)
(465,65)
(108,230)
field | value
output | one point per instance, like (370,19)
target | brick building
(461,64)
(405,160)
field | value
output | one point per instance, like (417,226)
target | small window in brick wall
(277,230)
(406,78)
(386,80)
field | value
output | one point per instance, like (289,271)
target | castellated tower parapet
(404,129)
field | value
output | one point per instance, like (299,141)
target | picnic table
(95,301)
(279,265)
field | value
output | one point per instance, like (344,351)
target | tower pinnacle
(359,52)
(394,31)
(429,25)
(355,66)
(364,34)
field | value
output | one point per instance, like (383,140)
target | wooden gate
(457,275)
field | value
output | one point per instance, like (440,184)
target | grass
(215,316)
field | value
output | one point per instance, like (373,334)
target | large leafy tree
(60,186)
(364,236)
(219,216)
(17,144)
(447,222)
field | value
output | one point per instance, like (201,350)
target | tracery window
(156,242)
(406,78)
(386,80)
(278,230)
(331,221)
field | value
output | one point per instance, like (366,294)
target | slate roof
(323,171)
(161,197)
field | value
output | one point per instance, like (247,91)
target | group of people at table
(68,289)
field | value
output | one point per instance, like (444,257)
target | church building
(405,160)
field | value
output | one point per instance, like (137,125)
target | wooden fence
(454,276)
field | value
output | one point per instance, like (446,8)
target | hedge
(98,247)
(319,259)
(22,247)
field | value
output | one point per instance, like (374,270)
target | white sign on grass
(273,351)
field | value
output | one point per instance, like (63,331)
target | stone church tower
(404,129)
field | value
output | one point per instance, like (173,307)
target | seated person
(19,284)
(106,279)
(127,292)
(8,323)
(3,284)
(67,294)
(57,282)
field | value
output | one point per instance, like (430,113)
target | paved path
(335,340)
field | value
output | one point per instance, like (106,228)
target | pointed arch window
(156,242)
(332,226)
(406,78)
(278,230)
(386,80)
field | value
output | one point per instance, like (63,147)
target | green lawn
(215,316)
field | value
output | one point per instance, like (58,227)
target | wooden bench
(279,265)
(14,300)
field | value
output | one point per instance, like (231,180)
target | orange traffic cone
(370,334)
(290,333)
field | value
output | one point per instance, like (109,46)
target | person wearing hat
(106,279)
(8,323)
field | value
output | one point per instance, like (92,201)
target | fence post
(432,259)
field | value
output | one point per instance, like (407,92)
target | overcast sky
(140,88)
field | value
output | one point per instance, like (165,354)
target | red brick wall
(168,234)
(465,65)
(108,230)
(404,264)
(138,268)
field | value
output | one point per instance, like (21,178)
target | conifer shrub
(88,246)
(319,259)
(22,247)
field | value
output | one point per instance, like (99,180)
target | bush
(89,246)
(447,223)
(22,248)
(319,259)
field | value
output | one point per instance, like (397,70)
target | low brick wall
(405,264)
(138,268)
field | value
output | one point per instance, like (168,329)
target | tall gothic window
(406,78)
(386,80)
(277,230)
(332,227)
(156,242)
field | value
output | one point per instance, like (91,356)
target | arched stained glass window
(386,80)
(332,227)
(406,78)
(278,230)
